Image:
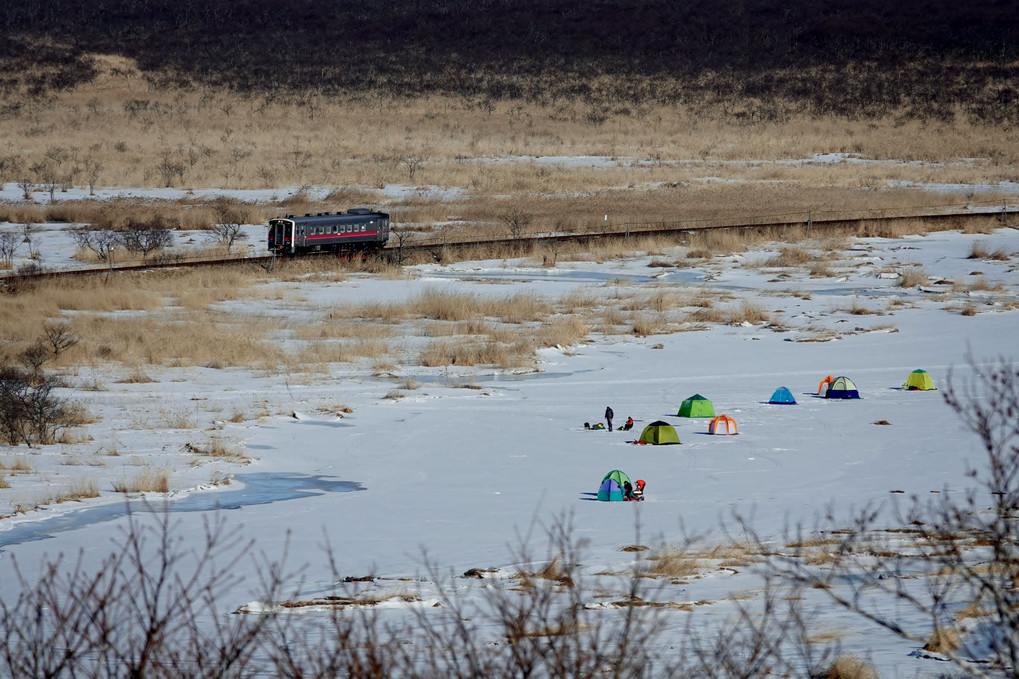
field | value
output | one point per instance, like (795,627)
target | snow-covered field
(461,474)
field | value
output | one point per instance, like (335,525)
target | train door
(282,236)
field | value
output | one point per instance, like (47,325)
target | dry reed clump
(978,250)
(438,305)
(503,355)
(894,229)
(79,489)
(912,276)
(76,415)
(791,257)
(18,465)
(858,309)
(671,562)
(219,449)
(820,270)
(943,640)
(708,315)
(562,332)
(137,376)
(979,284)
(178,339)
(747,312)
(579,299)
(984,227)
(643,325)
(146,481)
(704,244)
(849,667)
(338,327)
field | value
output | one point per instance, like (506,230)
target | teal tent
(783,396)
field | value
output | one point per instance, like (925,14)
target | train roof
(357,214)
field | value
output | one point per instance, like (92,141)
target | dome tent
(919,380)
(611,488)
(715,426)
(842,387)
(658,433)
(783,396)
(696,406)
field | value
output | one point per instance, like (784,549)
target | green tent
(696,406)
(658,433)
(919,380)
(611,488)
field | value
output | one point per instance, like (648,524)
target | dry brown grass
(80,489)
(791,257)
(979,284)
(943,640)
(850,667)
(912,276)
(443,353)
(747,311)
(672,562)
(708,316)
(148,480)
(19,464)
(202,128)
(218,448)
(858,309)
(562,332)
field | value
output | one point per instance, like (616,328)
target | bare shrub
(30,411)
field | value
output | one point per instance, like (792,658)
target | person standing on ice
(608,417)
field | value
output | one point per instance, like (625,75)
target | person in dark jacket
(608,417)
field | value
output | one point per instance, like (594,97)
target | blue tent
(783,396)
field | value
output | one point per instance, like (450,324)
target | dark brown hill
(856,57)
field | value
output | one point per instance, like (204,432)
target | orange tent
(714,427)
(826,380)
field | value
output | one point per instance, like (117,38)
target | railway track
(1003,212)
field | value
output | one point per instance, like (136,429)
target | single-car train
(356,230)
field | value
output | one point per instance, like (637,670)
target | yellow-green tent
(919,380)
(659,433)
